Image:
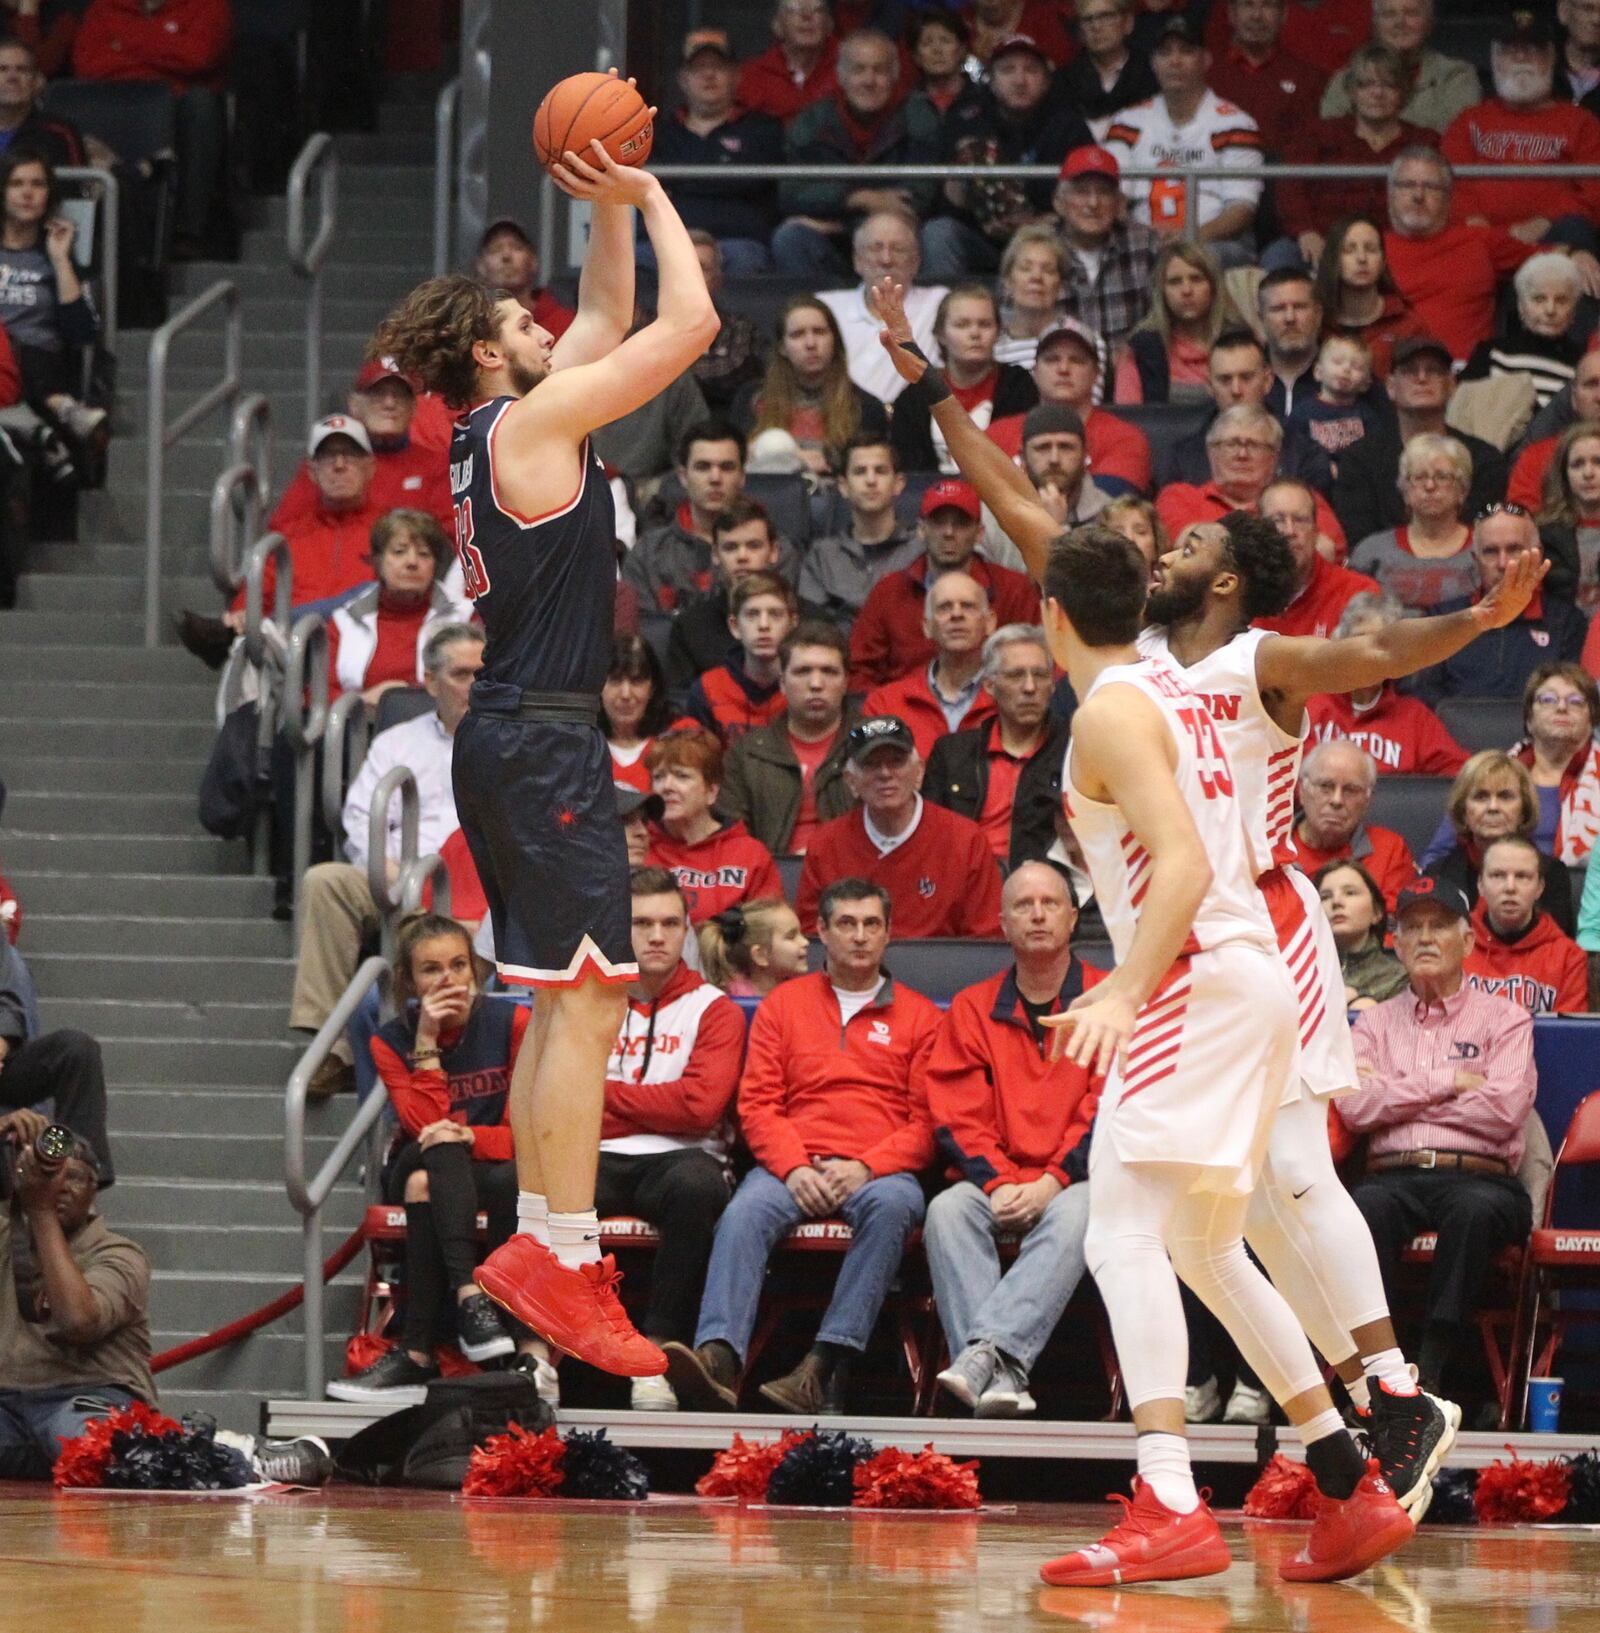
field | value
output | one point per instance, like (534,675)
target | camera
(53,1146)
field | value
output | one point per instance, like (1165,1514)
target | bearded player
(1196,1026)
(1302,1224)
(536,532)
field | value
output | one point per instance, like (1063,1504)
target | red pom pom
(1521,1492)
(744,1469)
(515,1464)
(1285,1491)
(925,1479)
(84,1458)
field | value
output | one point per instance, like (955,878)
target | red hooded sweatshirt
(725,868)
(1543,970)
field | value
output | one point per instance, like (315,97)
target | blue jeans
(1018,1310)
(34,1422)
(804,252)
(881,1214)
(360,1030)
(952,250)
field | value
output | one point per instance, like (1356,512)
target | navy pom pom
(593,1466)
(819,1472)
(1452,1498)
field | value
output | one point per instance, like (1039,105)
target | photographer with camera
(74,1299)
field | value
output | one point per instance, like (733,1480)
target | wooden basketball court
(364,1561)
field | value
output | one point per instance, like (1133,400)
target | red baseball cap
(381,368)
(1091,161)
(1019,42)
(952,495)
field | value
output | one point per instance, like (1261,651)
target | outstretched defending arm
(1298,667)
(1001,486)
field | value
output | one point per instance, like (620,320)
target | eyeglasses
(1559,700)
(1327,788)
(1419,186)
(1434,479)
(1244,445)
(1502,507)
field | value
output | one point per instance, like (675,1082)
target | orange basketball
(593,107)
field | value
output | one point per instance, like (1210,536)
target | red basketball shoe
(1348,1536)
(1149,1544)
(575,1310)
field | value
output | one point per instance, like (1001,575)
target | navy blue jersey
(544,586)
(477,1065)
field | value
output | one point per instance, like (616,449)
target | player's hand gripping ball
(585,108)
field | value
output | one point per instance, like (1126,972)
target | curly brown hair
(430,334)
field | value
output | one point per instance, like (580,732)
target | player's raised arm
(1122,753)
(1001,486)
(1302,666)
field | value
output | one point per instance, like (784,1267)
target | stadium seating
(1483,722)
(1412,806)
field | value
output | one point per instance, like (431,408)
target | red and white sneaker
(577,1311)
(1150,1543)
(1348,1536)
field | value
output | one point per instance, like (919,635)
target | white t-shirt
(852,1003)
(892,842)
(869,363)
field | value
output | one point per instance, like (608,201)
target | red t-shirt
(1319,606)
(1451,280)
(999,798)
(810,756)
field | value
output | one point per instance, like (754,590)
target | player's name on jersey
(460,474)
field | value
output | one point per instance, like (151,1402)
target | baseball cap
(1018,42)
(707,39)
(952,495)
(1090,161)
(1052,419)
(338,425)
(631,799)
(1419,346)
(881,731)
(1079,331)
(1426,889)
(378,369)
(504,223)
(1179,27)
(1525,26)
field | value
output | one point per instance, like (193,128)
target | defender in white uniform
(1302,1224)
(1147,776)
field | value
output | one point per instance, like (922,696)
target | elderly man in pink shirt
(1447,1082)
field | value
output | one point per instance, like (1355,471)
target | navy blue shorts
(539,812)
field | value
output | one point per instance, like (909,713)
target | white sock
(533,1217)
(1320,1427)
(1360,1394)
(1389,1367)
(1164,1467)
(575,1238)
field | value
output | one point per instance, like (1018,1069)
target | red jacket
(888,640)
(184,42)
(1526,486)
(329,552)
(409,478)
(1320,605)
(942,881)
(675,1065)
(815,1088)
(1544,971)
(911,699)
(1400,733)
(725,700)
(1003,1112)
(1451,280)
(1492,133)
(1115,448)
(1381,851)
(725,868)
(767,86)
(1180,504)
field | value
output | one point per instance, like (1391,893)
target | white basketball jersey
(1265,758)
(1232,911)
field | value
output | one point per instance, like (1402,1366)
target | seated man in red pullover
(1518,952)
(404,474)
(746,691)
(1336,783)
(668,1121)
(832,1107)
(1014,1125)
(1447,1083)
(936,866)
(1401,733)
(717,864)
(944,692)
(890,638)
(1322,589)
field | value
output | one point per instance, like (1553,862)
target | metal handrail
(235,517)
(306,258)
(271,547)
(305,717)
(399,779)
(250,437)
(111,235)
(344,747)
(161,435)
(445,110)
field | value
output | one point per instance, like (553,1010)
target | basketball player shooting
(1196,1029)
(536,532)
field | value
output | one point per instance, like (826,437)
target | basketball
(593,107)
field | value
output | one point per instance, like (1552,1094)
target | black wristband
(933,385)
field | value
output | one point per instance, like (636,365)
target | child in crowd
(1341,413)
(752,948)
(744,692)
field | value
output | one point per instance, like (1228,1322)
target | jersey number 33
(472,567)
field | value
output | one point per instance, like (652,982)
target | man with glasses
(1322,588)
(1419,387)
(1549,629)
(1336,783)
(1106,76)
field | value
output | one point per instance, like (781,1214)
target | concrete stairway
(139,927)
